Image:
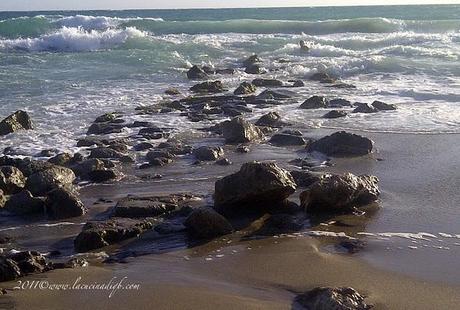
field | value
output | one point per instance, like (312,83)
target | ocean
(66,67)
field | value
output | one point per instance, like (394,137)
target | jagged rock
(251,60)
(84,168)
(61,159)
(12,180)
(43,181)
(19,120)
(306,178)
(340,193)
(238,130)
(341,298)
(245,88)
(23,203)
(172,91)
(382,106)
(267,83)
(335,114)
(254,69)
(342,144)
(9,270)
(364,108)
(105,152)
(208,87)
(196,73)
(255,184)
(271,119)
(61,204)
(104,128)
(207,223)
(89,141)
(315,102)
(30,262)
(207,153)
(3,199)
(96,235)
(283,139)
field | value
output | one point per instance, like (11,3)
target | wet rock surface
(325,298)
(19,120)
(206,223)
(238,130)
(342,144)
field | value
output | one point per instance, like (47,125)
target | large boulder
(196,73)
(254,185)
(9,269)
(238,130)
(207,223)
(23,203)
(340,193)
(254,69)
(43,181)
(285,139)
(245,88)
(17,121)
(364,108)
(62,203)
(208,87)
(315,102)
(271,119)
(342,144)
(96,235)
(382,106)
(208,153)
(335,114)
(12,180)
(329,298)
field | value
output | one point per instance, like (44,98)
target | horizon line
(227,8)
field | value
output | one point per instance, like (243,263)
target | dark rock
(223,162)
(208,87)
(104,128)
(3,199)
(254,69)
(172,91)
(105,152)
(28,166)
(160,162)
(44,153)
(71,263)
(335,114)
(271,119)
(342,144)
(159,154)
(352,246)
(341,298)
(207,153)
(12,180)
(339,102)
(382,106)
(298,83)
(340,193)
(238,130)
(30,262)
(322,77)
(96,235)
(243,149)
(267,83)
(206,223)
(23,203)
(306,178)
(119,147)
(40,183)
(107,117)
(143,146)
(255,184)
(134,207)
(364,108)
(102,175)
(245,88)
(282,139)
(280,224)
(89,141)
(196,73)
(84,168)
(61,204)
(251,60)
(225,71)
(9,270)
(175,147)
(270,94)
(315,102)
(19,120)
(61,159)
(169,228)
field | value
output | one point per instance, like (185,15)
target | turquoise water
(66,67)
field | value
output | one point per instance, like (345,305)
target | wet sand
(416,172)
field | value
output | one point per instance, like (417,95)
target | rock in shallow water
(328,298)
(245,88)
(342,144)
(315,102)
(23,203)
(208,153)
(41,182)
(207,223)
(254,185)
(335,114)
(238,130)
(12,179)
(271,119)
(283,139)
(62,203)
(19,120)
(340,193)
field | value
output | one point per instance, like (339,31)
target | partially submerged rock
(135,207)
(382,106)
(267,83)
(245,88)
(19,264)
(315,102)
(41,182)
(285,139)
(208,87)
(328,298)
(340,193)
(238,130)
(19,120)
(206,223)
(23,203)
(62,203)
(342,144)
(254,185)
(196,73)
(305,178)
(271,119)
(335,114)
(253,59)
(208,153)
(12,180)
(364,108)
(96,235)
